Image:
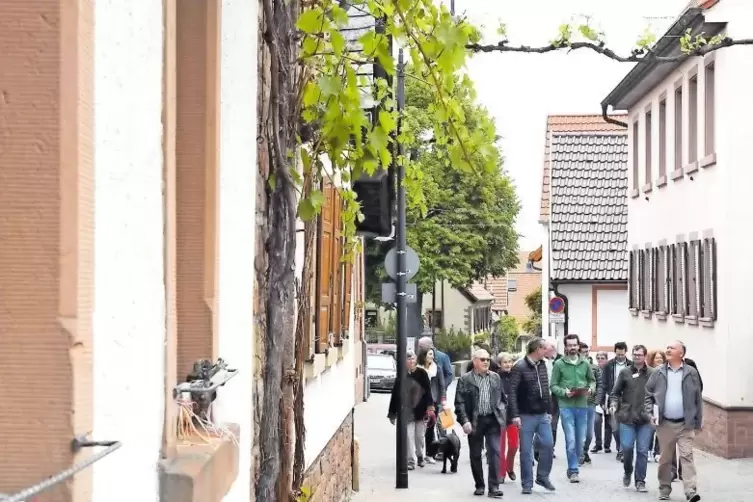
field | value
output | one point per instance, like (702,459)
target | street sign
(389,292)
(412,263)
(557,318)
(556,305)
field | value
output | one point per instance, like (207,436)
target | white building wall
(546,328)
(129,302)
(578,313)
(715,202)
(236,229)
(610,305)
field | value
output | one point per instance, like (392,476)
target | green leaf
(329,85)
(387,121)
(310,21)
(317,200)
(338,43)
(306,210)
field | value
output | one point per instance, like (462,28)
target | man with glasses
(627,404)
(572,383)
(529,402)
(480,406)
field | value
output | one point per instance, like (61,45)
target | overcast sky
(520,90)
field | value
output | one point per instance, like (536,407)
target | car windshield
(381,363)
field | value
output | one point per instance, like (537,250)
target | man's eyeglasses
(483,359)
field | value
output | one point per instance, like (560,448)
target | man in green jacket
(572,383)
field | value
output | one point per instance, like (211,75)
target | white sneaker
(656,458)
(430,460)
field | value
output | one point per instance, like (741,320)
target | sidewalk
(719,480)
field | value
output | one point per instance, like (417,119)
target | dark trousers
(609,433)
(431,441)
(487,431)
(598,430)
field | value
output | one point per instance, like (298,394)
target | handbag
(446,419)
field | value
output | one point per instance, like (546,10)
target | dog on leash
(449,447)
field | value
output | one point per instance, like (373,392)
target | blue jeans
(539,426)
(574,423)
(589,427)
(636,437)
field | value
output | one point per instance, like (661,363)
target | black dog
(449,447)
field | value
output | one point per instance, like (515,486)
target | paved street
(719,480)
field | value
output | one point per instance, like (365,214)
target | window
(693,119)
(434,319)
(678,128)
(648,143)
(512,285)
(636,182)
(663,138)
(709,105)
(708,296)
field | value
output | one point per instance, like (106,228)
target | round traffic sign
(556,305)
(412,263)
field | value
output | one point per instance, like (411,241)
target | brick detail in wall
(330,477)
(727,433)
(196,162)
(46,256)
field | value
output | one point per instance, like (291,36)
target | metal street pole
(401,449)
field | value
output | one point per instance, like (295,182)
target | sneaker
(586,459)
(663,496)
(478,492)
(657,458)
(607,450)
(694,497)
(582,460)
(411,466)
(527,491)
(430,460)
(640,486)
(495,494)
(619,456)
(573,477)
(421,462)
(596,449)
(512,476)
(626,480)
(546,484)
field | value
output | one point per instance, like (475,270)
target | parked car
(381,370)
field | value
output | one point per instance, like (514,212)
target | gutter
(641,70)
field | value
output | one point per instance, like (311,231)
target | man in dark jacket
(627,404)
(609,376)
(530,404)
(480,407)
(442,359)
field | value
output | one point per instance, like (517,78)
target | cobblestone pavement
(719,480)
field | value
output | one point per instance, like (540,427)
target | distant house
(520,282)
(584,217)
(465,309)
(689,216)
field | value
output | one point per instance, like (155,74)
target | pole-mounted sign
(557,310)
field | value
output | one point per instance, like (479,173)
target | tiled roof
(588,227)
(479,292)
(568,123)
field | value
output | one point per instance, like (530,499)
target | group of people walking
(650,405)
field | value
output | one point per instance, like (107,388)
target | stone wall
(727,433)
(330,477)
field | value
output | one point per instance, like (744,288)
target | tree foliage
(532,324)
(462,225)
(508,332)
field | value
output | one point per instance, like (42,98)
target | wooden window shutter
(698,276)
(683,246)
(709,306)
(631,280)
(672,278)
(667,283)
(641,279)
(337,270)
(324,277)
(650,278)
(347,296)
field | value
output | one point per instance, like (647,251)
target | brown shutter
(698,276)
(326,231)
(641,280)
(667,278)
(672,278)
(631,280)
(337,269)
(684,275)
(347,296)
